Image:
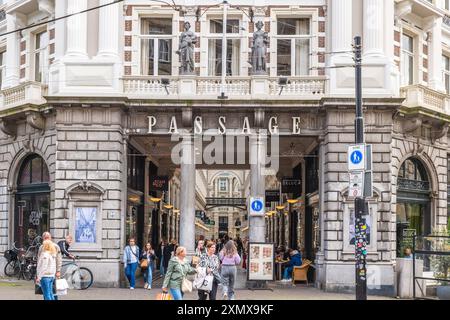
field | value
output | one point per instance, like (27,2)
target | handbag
(144,263)
(186,285)
(61,287)
(203,281)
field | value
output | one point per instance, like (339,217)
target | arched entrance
(32,200)
(413,203)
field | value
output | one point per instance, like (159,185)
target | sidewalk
(24,290)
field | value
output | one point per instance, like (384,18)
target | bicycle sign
(256,206)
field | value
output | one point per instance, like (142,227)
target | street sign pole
(360,223)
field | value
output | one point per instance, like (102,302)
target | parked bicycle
(22,263)
(77,277)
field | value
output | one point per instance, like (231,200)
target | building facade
(93,108)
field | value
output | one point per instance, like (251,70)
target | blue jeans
(176,294)
(148,275)
(130,272)
(161,267)
(288,273)
(47,287)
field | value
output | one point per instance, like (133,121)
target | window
(223,185)
(41,57)
(407,64)
(215,47)
(447,5)
(156,46)
(293,46)
(2,67)
(446,73)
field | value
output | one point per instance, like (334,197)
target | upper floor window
(223,185)
(41,57)
(293,46)
(446,73)
(447,5)
(407,64)
(2,67)
(156,46)
(215,47)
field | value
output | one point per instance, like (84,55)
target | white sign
(356,187)
(356,158)
(256,206)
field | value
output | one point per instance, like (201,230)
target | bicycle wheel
(12,268)
(82,278)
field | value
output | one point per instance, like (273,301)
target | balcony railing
(421,96)
(26,93)
(211,87)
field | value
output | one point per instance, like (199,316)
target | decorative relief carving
(36,121)
(8,127)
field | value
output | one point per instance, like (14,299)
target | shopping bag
(203,281)
(61,287)
(164,296)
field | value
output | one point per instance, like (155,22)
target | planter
(443,292)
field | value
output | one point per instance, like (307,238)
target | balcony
(421,96)
(243,88)
(28,93)
(420,8)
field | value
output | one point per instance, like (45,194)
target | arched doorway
(32,200)
(413,203)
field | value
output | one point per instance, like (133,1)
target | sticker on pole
(356,157)
(256,206)
(356,187)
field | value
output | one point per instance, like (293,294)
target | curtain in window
(302,48)
(212,57)
(145,50)
(235,57)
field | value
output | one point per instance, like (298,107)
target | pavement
(13,289)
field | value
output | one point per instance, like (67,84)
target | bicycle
(79,278)
(22,263)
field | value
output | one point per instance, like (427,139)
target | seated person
(296,260)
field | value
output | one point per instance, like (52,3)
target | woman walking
(176,272)
(230,259)
(149,255)
(210,261)
(46,269)
(130,260)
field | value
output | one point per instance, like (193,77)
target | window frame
(446,72)
(156,41)
(240,36)
(36,69)
(411,55)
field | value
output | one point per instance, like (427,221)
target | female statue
(260,41)
(186,50)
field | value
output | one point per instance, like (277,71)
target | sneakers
(131,288)
(225,296)
(149,288)
(146,286)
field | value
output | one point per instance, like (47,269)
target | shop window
(407,63)
(293,46)
(41,57)
(156,46)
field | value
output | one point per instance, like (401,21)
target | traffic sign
(356,187)
(356,157)
(256,206)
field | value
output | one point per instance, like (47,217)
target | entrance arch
(414,203)
(32,200)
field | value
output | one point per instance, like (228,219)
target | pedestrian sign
(356,157)
(256,206)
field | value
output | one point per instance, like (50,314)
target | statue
(260,41)
(186,50)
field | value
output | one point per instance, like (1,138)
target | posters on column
(261,261)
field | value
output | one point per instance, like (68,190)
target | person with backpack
(229,258)
(131,256)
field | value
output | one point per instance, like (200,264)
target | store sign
(261,261)
(291,185)
(272,196)
(159,183)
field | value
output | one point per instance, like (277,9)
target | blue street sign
(257,205)
(356,157)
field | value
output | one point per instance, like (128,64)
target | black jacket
(166,255)
(64,248)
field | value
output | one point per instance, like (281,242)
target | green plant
(440,264)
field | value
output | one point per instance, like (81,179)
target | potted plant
(440,264)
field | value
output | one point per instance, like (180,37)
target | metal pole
(414,265)
(224,46)
(360,205)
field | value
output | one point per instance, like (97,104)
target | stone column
(187,205)
(341,25)
(257,150)
(108,29)
(373,28)
(435,56)
(77,29)
(12,74)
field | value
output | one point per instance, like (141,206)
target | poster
(261,261)
(85,224)
(352,227)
